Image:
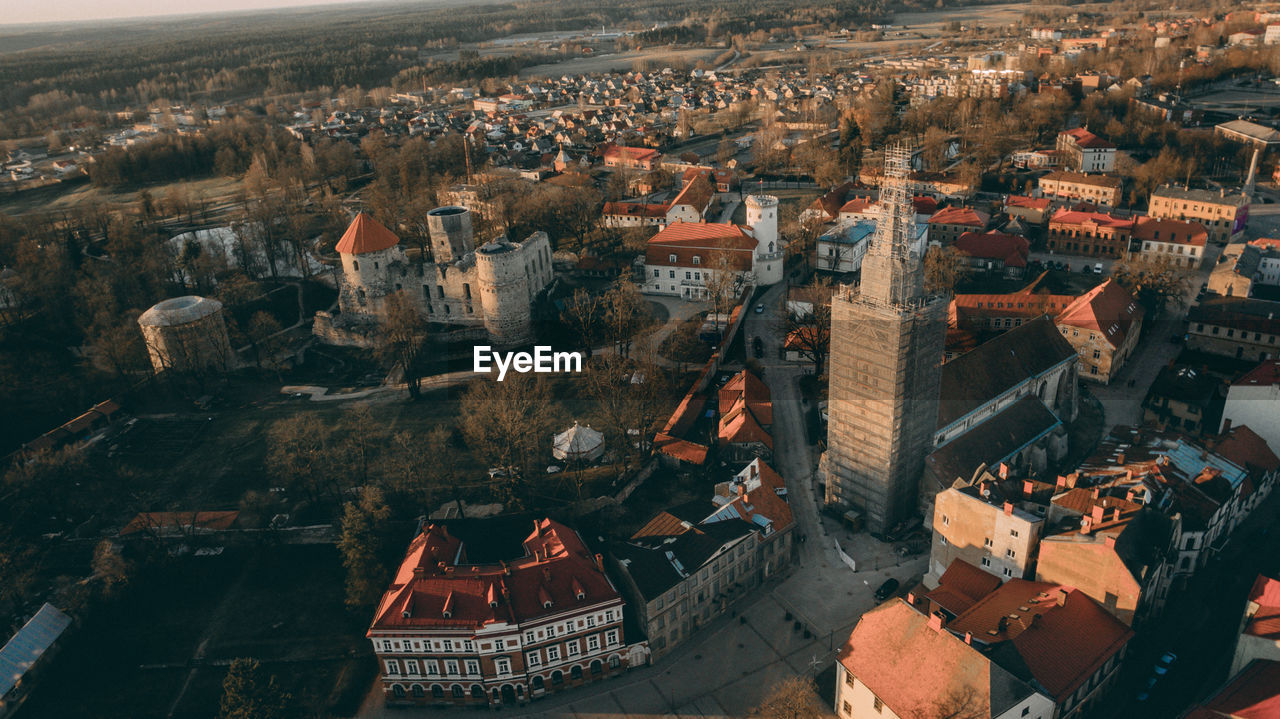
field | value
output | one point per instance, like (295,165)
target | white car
(552,469)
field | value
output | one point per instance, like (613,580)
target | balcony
(769,256)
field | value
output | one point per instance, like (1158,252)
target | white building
(684,256)
(1254,400)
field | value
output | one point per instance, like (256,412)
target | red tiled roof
(1033,203)
(681,449)
(1266,622)
(1107,308)
(959,216)
(168,522)
(634,209)
(697,194)
(1244,447)
(365,234)
(803,338)
(745,385)
(687,239)
(740,426)
(924,204)
(1174,231)
(1101,219)
(1265,374)
(911,666)
(1254,694)
(1061,634)
(631,153)
(1012,250)
(1087,139)
(961,586)
(433,589)
(859,205)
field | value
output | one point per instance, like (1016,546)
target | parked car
(759,309)
(1164,663)
(886,590)
(1097,268)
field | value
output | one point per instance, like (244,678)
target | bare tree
(403,339)
(584,314)
(792,698)
(808,330)
(624,315)
(944,267)
(726,277)
(506,425)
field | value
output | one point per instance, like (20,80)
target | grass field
(69,196)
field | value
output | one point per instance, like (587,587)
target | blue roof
(861,231)
(1190,459)
(29,644)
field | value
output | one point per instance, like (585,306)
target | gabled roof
(1107,308)
(894,643)
(960,216)
(994,440)
(974,378)
(1253,694)
(696,193)
(1081,178)
(634,209)
(1083,217)
(1265,374)
(746,386)
(365,234)
(1086,139)
(961,586)
(1192,234)
(1012,250)
(1032,203)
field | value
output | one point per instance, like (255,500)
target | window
(437,691)
(448,645)
(418,691)
(946,521)
(393,667)
(457,691)
(432,667)
(986,561)
(877,705)
(1010,553)
(355,265)
(611,637)
(671,258)
(575,672)
(533,659)
(671,274)
(593,643)
(553,654)
(697,260)
(847,708)
(451,666)
(557,677)
(473,667)
(528,637)
(503,665)
(1013,532)
(1007,572)
(597,667)
(656,273)
(411,666)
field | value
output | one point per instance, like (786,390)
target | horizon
(76,12)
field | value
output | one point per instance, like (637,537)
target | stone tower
(504,292)
(187,334)
(451,234)
(887,340)
(762,218)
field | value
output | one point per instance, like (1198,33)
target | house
(631,158)
(684,567)
(1259,639)
(1184,398)
(1223,214)
(685,258)
(1171,242)
(827,207)
(693,202)
(983,525)
(995,252)
(746,414)
(1087,233)
(947,224)
(487,612)
(1252,399)
(1025,649)
(1235,327)
(1085,151)
(1103,325)
(1245,266)
(1101,190)
(634,214)
(1031,210)
(1251,694)
(841,248)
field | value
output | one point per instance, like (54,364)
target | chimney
(1086,524)
(1099,512)
(911,598)
(1026,488)
(1062,596)
(1129,495)
(1062,482)
(600,562)
(1110,540)
(968,637)
(1120,458)
(1096,492)
(1008,508)
(1226,425)
(935,622)
(1115,514)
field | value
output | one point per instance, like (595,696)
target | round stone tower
(762,218)
(504,292)
(187,334)
(451,234)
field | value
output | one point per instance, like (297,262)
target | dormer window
(546,604)
(697,260)
(671,258)
(446,614)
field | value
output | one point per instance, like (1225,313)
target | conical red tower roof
(366,235)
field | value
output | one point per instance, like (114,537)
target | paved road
(728,665)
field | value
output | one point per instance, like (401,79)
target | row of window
(572,648)
(569,627)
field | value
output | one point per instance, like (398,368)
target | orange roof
(688,239)
(1033,203)
(1174,231)
(746,385)
(1265,374)
(1100,219)
(634,209)
(1244,447)
(365,234)
(802,338)
(961,586)
(680,449)
(1266,621)
(859,205)
(1253,694)
(169,522)
(632,153)
(959,216)
(1087,139)
(740,426)
(1012,250)
(697,193)
(1107,308)
(763,500)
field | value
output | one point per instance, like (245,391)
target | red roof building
(1260,631)
(1173,242)
(1253,694)
(475,615)
(366,234)
(946,225)
(995,252)
(635,158)
(1092,234)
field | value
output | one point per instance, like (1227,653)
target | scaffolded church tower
(887,339)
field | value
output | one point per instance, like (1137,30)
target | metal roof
(26,647)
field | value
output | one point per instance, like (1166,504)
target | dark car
(758,346)
(886,590)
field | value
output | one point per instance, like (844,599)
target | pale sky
(30,11)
